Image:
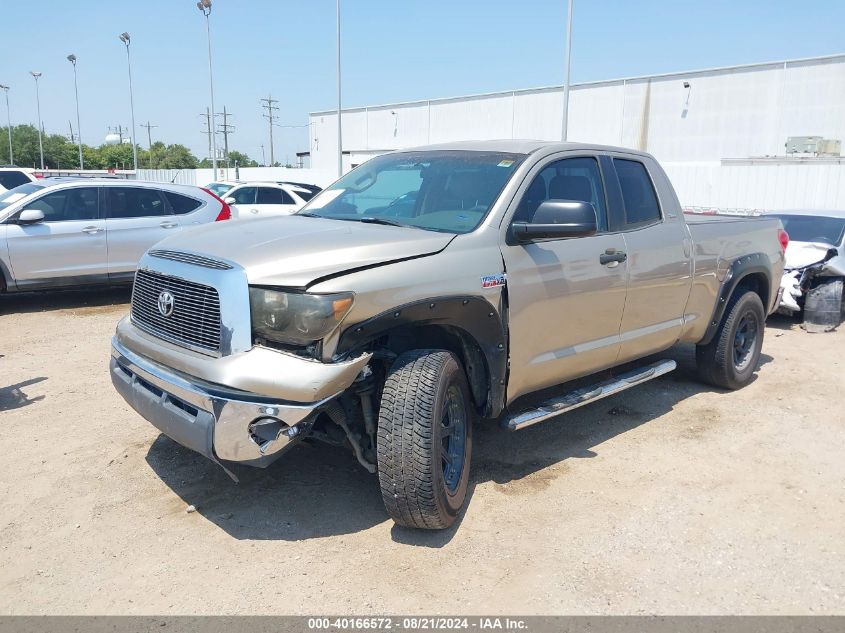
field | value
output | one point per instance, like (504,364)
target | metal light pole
(205,7)
(339,127)
(72,59)
(124,37)
(36,75)
(567,63)
(9,118)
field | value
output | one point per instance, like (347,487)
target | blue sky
(393,50)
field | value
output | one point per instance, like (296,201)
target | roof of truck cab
(520,146)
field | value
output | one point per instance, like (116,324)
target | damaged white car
(815,267)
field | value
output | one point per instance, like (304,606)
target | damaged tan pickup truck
(429,289)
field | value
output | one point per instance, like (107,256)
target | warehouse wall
(727,114)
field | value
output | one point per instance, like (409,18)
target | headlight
(296,318)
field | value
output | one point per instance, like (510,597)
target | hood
(295,251)
(803,254)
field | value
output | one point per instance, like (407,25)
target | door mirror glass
(556,219)
(31,216)
(230,200)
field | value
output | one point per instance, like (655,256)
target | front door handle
(93,230)
(168,225)
(613,257)
(253,210)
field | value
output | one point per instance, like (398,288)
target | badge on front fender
(494,281)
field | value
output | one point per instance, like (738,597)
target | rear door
(273,201)
(136,218)
(659,258)
(67,248)
(565,299)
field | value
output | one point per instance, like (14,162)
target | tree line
(61,153)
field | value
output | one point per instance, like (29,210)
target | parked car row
(61,232)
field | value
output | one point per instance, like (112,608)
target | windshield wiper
(367,219)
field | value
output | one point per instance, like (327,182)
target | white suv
(264,199)
(11,177)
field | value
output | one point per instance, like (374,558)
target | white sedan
(264,199)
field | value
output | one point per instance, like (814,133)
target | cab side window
(576,179)
(641,205)
(73,203)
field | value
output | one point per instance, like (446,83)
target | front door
(136,218)
(565,305)
(67,248)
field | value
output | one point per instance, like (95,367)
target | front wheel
(425,439)
(730,359)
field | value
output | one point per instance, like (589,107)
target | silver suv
(61,232)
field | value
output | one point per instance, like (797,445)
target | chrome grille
(190,258)
(195,320)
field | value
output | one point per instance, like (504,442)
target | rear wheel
(824,305)
(425,439)
(730,359)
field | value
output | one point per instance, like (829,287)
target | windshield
(809,228)
(219,188)
(448,191)
(11,196)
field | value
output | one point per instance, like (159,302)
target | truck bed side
(725,247)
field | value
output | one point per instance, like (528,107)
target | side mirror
(230,200)
(31,216)
(556,219)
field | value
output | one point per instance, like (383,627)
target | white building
(721,133)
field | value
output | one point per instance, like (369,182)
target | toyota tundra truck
(431,289)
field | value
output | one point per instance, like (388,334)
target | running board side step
(586,395)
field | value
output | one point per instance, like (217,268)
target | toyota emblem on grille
(166,303)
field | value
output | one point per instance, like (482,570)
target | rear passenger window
(134,202)
(641,206)
(286,199)
(577,179)
(181,204)
(269,195)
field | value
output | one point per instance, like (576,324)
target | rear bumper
(221,423)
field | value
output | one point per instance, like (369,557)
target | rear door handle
(168,225)
(612,256)
(93,230)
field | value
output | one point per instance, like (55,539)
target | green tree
(241,159)
(174,156)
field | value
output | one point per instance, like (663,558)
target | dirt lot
(670,498)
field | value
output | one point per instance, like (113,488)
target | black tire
(424,389)
(730,359)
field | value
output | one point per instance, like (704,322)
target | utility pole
(208,128)
(226,129)
(70,125)
(149,140)
(269,104)
(263,157)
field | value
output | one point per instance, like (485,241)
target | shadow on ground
(87,298)
(316,491)
(14,397)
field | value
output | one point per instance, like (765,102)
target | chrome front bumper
(222,423)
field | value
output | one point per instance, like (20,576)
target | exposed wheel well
(452,339)
(755,282)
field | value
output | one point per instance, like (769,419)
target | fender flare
(474,316)
(741,268)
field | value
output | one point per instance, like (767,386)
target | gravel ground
(670,498)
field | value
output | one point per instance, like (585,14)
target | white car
(265,199)
(11,177)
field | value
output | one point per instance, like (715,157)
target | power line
(268,104)
(149,140)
